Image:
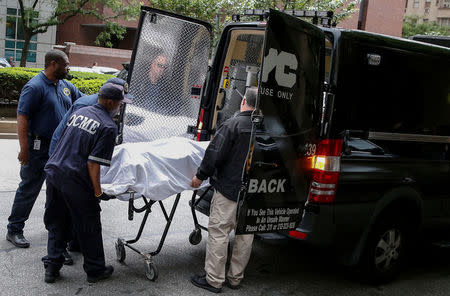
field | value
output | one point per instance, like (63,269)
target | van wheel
(386,251)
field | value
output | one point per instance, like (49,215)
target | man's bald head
(57,56)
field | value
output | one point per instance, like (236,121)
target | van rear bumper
(318,225)
(343,227)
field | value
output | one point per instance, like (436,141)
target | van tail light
(200,124)
(297,234)
(326,165)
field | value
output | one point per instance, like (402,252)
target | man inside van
(224,161)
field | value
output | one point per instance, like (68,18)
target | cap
(115,89)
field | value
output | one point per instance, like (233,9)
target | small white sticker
(37,145)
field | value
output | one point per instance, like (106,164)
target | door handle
(407,180)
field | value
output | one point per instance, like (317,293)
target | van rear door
(167,72)
(280,157)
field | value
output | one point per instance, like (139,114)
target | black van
(351,134)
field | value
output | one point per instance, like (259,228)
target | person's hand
(23,156)
(105,196)
(196,182)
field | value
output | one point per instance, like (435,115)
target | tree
(219,12)
(111,36)
(411,27)
(63,10)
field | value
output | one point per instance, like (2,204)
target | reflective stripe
(99,159)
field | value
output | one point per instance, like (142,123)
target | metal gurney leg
(151,271)
(196,235)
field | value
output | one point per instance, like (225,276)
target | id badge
(37,144)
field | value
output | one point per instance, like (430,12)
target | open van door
(281,154)
(167,72)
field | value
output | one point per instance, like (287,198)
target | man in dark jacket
(224,160)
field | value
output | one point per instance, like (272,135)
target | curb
(8,129)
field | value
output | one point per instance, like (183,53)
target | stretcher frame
(151,271)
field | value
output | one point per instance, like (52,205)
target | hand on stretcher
(196,182)
(106,197)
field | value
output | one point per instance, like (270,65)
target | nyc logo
(279,62)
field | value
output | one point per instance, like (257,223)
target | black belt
(37,137)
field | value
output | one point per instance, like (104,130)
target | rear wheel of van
(386,250)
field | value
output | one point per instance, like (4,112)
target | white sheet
(156,169)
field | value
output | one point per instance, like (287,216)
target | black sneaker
(18,240)
(106,274)
(200,281)
(231,286)
(67,258)
(51,273)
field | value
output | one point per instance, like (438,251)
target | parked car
(95,69)
(353,149)
(4,63)
(123,74)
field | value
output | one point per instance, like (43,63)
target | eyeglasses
(162,66)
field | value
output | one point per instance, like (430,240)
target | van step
(442,244)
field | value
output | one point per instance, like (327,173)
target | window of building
(416,4)
(14,36)
(443,21)
(427,10)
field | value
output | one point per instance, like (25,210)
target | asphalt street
(275,268)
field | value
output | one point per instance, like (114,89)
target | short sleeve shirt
(45,103)
(89,135)
(78,104)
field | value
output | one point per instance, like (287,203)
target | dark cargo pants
(79,208)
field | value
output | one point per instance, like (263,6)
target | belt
(37,137)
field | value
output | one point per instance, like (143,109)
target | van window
(244,55)
(405,93)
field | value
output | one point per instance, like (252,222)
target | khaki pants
(222,220)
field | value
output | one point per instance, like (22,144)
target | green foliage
(111,36)
(411,27)
(12,81)
(219,12)
(88,86)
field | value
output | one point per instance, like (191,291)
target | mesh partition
(171,58)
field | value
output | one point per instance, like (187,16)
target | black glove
(105,196)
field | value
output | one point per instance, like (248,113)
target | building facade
(11,34)
(430,11)
(378,16)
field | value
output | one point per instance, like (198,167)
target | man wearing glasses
(43,102)
(154,89)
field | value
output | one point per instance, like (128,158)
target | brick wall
(83,30)
(383,16)
(85,56)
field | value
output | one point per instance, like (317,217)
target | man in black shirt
(224,161)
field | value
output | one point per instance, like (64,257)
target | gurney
(152,172)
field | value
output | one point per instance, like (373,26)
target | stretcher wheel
(151,272)
(195,237)
(120,251)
